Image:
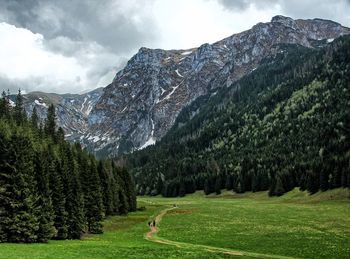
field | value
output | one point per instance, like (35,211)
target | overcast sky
(75,45)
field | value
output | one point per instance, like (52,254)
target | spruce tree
(23,222)
(4,106)
(58,199)
(107,192)
(115,189)
(7,177)
(50,124)
(45,213)
(123,205)
(130,189)
(34,120)
(92,196)
(19,113)
(74,195)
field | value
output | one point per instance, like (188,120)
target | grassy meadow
(229,225)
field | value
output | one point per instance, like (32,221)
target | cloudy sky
(76,45)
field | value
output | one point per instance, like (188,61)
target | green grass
(294,225)
(123,238)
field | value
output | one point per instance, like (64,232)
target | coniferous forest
(50,189)
(285,125)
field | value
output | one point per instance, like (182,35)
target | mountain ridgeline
(146,96)
(50,189)
(284,125)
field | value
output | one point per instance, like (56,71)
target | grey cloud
(244,4)
(13,85)
(109,23)
(334,10)
(101,35)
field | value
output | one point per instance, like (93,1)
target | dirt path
(154,229)
(152,236)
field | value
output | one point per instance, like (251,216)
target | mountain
(284,125)
(72,110)
(145,98)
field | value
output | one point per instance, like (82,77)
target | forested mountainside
(286,124)
(146,96)
(50,189)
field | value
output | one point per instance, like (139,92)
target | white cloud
(187,24)
(26,59)
(71,46)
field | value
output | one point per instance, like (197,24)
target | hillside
(146,96)
(286,124)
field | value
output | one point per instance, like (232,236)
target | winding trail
(152,236)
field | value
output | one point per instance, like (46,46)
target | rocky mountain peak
(145,97)
(286,21)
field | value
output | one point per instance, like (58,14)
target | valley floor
(250,225)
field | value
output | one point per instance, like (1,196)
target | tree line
(285,125)
(50,189)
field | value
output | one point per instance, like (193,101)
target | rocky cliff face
(72,110)
(145,97)
(142,102)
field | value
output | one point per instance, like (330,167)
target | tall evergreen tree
(34,120)
(7,177)
(58,199)
(50,124)
(4,106)
(94,210)
(45,213)
(107,191)
(74,196)
(19,113)
(22,225)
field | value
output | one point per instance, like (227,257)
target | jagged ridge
(144,99)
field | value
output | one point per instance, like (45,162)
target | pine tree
(92,197)
(50,124)
(123,205)
(19,113)
(4,106)
(23,222)
(45,213)
(74,195)
(58,199)
(60,135)
(34,120)
(7,177)
(107,192)
(129,188)
(115,189)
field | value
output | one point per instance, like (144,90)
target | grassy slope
(294,225)
(123,238)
